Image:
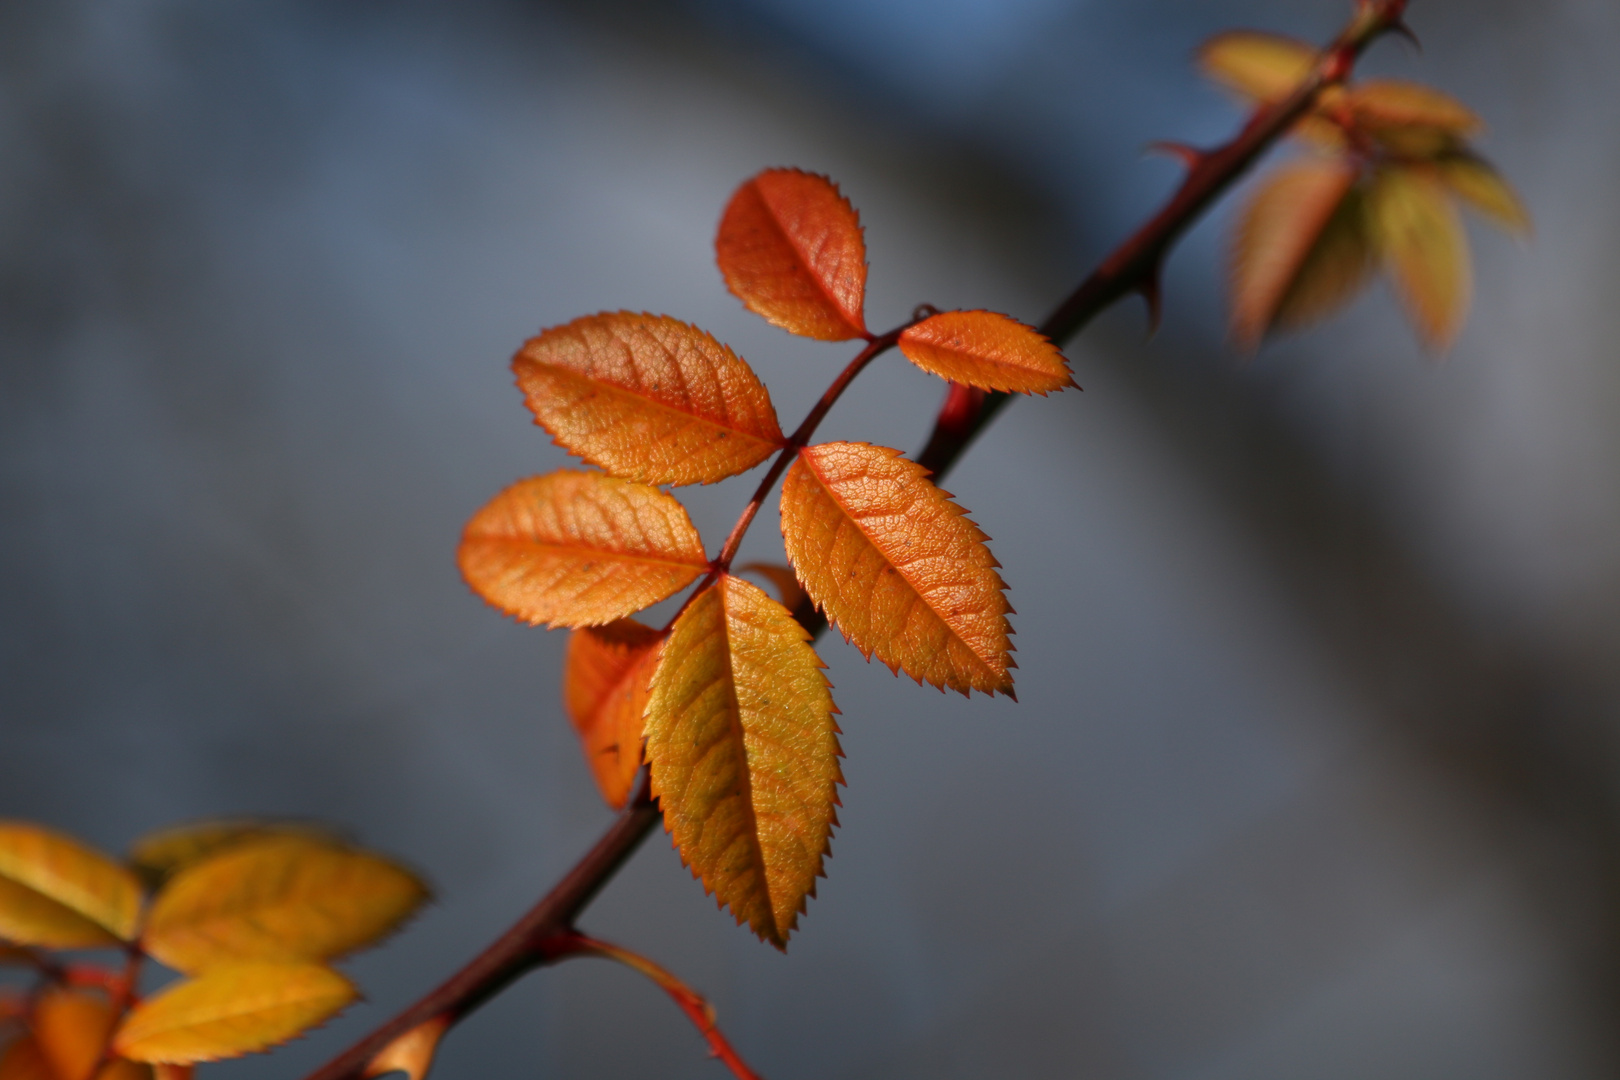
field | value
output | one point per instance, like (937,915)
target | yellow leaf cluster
(1391,162)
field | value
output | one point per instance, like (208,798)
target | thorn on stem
(1400,29)
(1152,293)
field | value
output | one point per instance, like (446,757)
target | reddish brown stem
(691,1003)
(1132,267)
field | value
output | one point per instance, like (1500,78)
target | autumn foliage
(723,717)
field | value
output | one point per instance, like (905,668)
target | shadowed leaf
(71,1028)
(158,855)
(1477,183)
(23,1060)
(648,398)
(1421,239)
(744,754)
(788,589)
(897,566)
(987,350)
(1284,221)
(605,688)
(230,1011)
(1410,118)
(790,248)
(280,898)
(579,549)
(57,893)
(1337,267)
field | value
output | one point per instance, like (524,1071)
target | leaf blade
(280,898)
(648,398)
(606,684)
(1277,230)
(744,754)
(986,350)
(57,893)
(1476,182)
(230,1011)
(790,248)
(1421,239)
(579,549)
(897,566)
(1257,65)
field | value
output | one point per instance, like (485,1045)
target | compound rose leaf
(744,754)
(605,687)
(579,549)
(648,398)
(986,350)
(1420,236)
(1476,182)
(57,893)
(280,898)
(790,248)
(1283,222)
(897,566)
(232,1010)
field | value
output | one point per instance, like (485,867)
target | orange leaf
(744,754)
(71,1027)
(1421,238)
(987,350)
(648,398)
(897,566)
(411,1053)
(278,898)
(1281,224)
(58,893)
(23,1060)
(579,549)
(790,248)
(605,687)
(230,1011)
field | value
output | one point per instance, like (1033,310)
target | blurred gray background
(1313,771)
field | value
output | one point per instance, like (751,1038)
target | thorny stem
(1132,267)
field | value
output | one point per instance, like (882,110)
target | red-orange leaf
(579,549)
(647,397)
(987,350)
(605,687)
(897,566)
(1280,226)
(790,248)
(744,754)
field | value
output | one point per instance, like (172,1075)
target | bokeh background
(1313,772)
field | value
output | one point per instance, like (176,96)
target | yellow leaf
(987,350)
(411,1053)
(232,1010)
(1260,66)
(1280,226)
(23,1060)
(158,855)
(57,893)
(1409,118)
(1477,183)
(278,898)
(744,754)
(579,549)
(605,688)
(790,248)
(648,398)
(1337,267)
(897,566)
(1421,239)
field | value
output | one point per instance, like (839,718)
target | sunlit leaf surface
(57,893)
(987,350)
